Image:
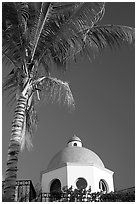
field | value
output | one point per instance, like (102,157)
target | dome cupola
(74,142)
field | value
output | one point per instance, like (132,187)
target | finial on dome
(74,141)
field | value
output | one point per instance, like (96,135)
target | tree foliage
(39,35)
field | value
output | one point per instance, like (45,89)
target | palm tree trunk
(14,149)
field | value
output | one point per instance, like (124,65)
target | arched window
(55,186)
(81,183)
(75,144)
(103,186)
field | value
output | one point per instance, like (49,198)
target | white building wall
(75,171)
(105,174)
(47,178)
(69,174)
(92,174)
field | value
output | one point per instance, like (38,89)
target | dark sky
(104,115)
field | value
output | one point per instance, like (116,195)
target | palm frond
(22,10)
(113,36)
(44,13)
(10,81)
(55,90)
(55,32)
(14,30)
(61,7)
(7,59)
(87,15)
(41,21)
(61,34)
(44,66)
(99,37)
(11,52)
(14,13)
(13,80)
(9,15)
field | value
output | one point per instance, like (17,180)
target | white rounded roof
(75,154)
(74,138)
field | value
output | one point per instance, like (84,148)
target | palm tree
(37,36)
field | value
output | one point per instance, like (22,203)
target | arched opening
(103,186)
(55,186)
(75,144)
(81,183)
(55,190)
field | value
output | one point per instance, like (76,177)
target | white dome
(75,154)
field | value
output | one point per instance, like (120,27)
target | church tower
(79,167)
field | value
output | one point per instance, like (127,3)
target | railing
(63,197)
(25,191)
